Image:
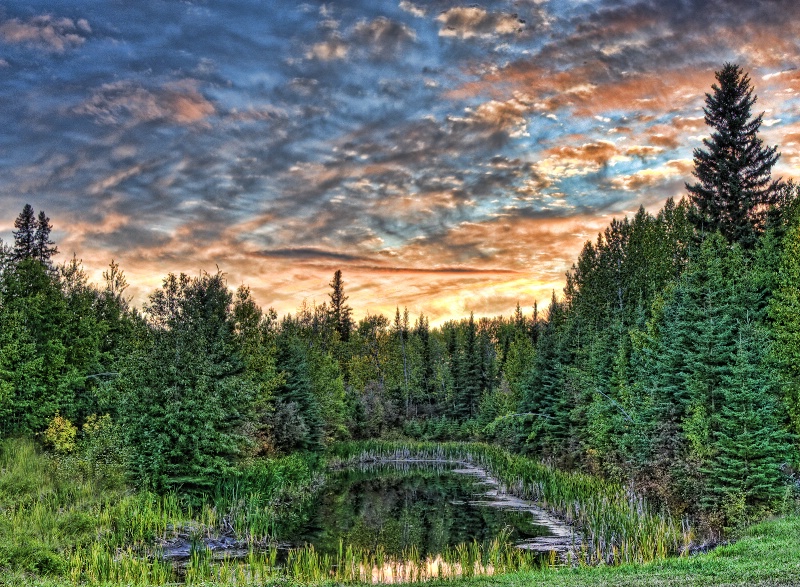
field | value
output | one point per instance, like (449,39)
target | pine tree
(297,423)
(25,235)
(184,397)
(735,188)
(472,370)
(750,446)
(401,331)
(427,374)
(784,309)
(43,247)
(340,312)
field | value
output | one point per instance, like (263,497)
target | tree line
(670,361)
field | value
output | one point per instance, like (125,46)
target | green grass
(766,554)
(59,519)
(60,527)
(613,524)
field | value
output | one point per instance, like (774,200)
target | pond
(396,521)
(429,506)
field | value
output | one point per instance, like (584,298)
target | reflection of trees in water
(400,507)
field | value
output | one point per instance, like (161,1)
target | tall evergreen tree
(184,397)
(43,247)
(472,370)
(297,422)
(340,312)
(749,444)
(25,234)
(784,309)
(401,331)
(735,188)
(427,370)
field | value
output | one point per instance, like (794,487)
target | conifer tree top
(735,187)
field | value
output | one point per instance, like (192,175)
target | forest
(669,364)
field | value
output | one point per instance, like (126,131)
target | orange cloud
(647,178)
(587,92)
(128,102)
(485,267)
(46,32)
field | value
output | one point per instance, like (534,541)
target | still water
(425,505)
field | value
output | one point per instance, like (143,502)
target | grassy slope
(766,554)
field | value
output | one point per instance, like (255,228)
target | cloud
(510,116)
(308,253)
(113,180)
(384,37)
(412,8)
(648,178)
(379,38)
(46,32)
(333,48)
(448,157)
(466,22)
(128,102)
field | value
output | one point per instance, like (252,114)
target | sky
(449,157)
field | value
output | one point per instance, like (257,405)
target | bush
(33,557)
(61,434)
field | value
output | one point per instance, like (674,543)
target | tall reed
(612,524)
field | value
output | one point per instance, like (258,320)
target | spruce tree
(297,423)
(25,234)
(340,312)
(735,188)
(750,445)
(43,247)
(784,309)
(472,370)
(427,370)
(183,394)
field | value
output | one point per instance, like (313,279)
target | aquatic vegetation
(97,566)
(62,526)
(613,525)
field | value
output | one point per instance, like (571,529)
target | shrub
(60,434)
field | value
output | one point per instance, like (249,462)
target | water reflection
(395,507)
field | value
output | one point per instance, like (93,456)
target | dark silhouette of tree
(43,247)
(25,234)
(340,312)
(735,188)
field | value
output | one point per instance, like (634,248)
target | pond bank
(562,538)
(615,525)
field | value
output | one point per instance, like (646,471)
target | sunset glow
(448,157)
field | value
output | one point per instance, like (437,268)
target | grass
(767,554)
(57,520)
(60,527)
(614,525)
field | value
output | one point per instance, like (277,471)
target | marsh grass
(60,524)
(613,525)
(56,520)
